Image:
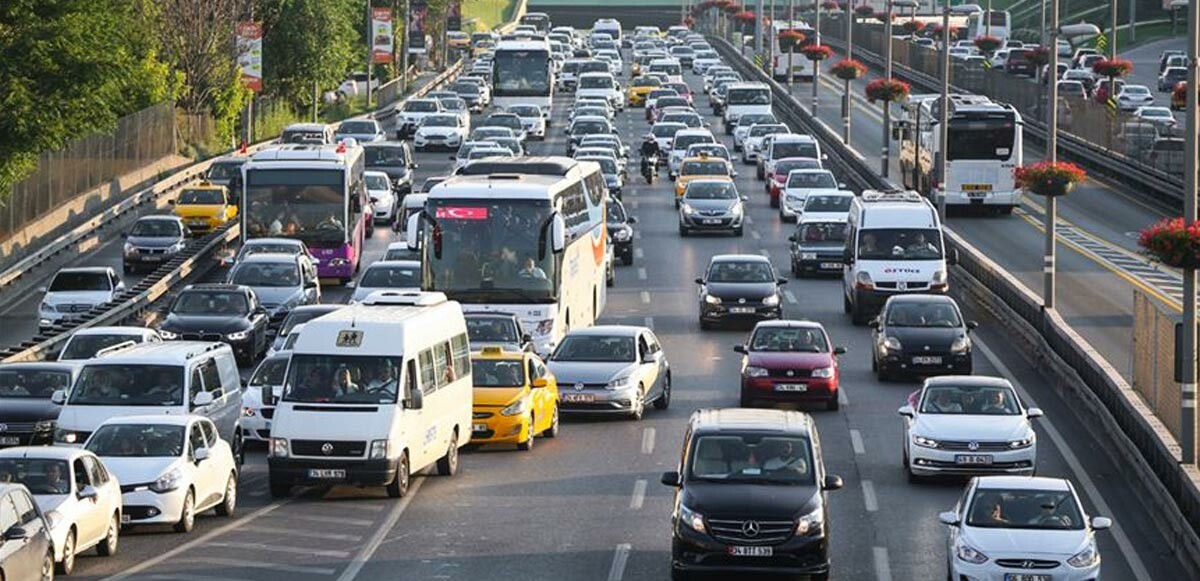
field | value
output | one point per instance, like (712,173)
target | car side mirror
(952,258)
(791,238)
(59,397)
(267,395)
(42,289)
(906,411)
(1100,523)
(949,518)
(88,493)
(848,257)
(310,284)
(202,399)
(841,186)
(972,324)
(699,281)
(201,454)
(1032,413)
(874,323)
(124,235)
(839,350)
(453,158)
(540,382)
(744,198)
(414,166)
(416,400)
(170,202)
(781,281)
(227,261)
(739,349)
(832,483)
(672,479)
(631,220)
(16,533)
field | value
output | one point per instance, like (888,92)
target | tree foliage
(307,42)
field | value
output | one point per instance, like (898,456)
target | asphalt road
(588,504)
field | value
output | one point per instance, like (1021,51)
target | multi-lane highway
(588,505)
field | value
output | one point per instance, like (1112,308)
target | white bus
(523,74)
(374,392)
(801,67)
(986,140)
(525,236)
(998,25)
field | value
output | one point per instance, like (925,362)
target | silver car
(611,369)
(281,281)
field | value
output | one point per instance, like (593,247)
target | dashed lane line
(337,520)
(620,557)
(856,442)
(883,566)
(376,539)
(869,499)
(648,441)
(283,549)
(639,494)
(790,297)
(193,577)
(244,564)
(641,273)
(645,295)
(273,531)
(649,322)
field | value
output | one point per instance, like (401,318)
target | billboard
(381,35)
(415,35)
(249,50)
(454,15)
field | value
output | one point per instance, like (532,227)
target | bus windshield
(483,251)
(307,205)
(522,73)
(988,139)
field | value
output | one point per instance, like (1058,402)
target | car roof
(1022,483)
(87,269)
(628,330)
(45,452)
(70,366)
(163,419)
(790,324)
(160,217)
(967,380)
(382,263)
(158,353)
(272,241)
(757,420)
(739,258)
(921,298)
(114,330)
(270,257)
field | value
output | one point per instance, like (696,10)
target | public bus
(523,74)
(802,68)
(520,235)
(538,20)
(986,141)
(312,193)
(999,26)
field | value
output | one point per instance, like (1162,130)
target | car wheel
(737,232)
(664,400)
(833,404)
(627,259)
(639,405)
(112,537)
(819,577)
(679,575)
(67,565)
(229,502)
(448,465)
(775,203)
(909,474)
(187,519)
(527,445)
(683,231)
(552,431)
(759,173)
(846,306)
(858,317)
(48,566)
(399,485)
(705,325)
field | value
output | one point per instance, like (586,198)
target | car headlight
(339,262)
(939,278)
(168,335)
(66,436)
(168,482)
(1023,443)
(279,448)
(129,248)
(863,280)
(823,372)
(712,300)
(961,344)
(686,209)
(808,256)
(1085,558)
(924,442)
(969,554)
(379,449)
(516,408)
(891,343)
(54,518)
(248,412)
(48,308)
(771,301)
(811,523)
(735,209)
(175,248)
(237,335)
(752,371)
(691,519)
(621,235)
(619,382)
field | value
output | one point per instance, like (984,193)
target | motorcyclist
(650,152)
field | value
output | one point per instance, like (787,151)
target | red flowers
(1049,179)
(790,39)
(817,52)
(745,16)
(848,69)
(1039,56)
(887,90)
(912,26)
(1172,243)
(988,44)
(830,5)
(864,10)
(1112,68)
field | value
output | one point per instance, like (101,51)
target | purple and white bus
(313,193)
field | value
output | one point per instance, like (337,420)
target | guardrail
(1111,410)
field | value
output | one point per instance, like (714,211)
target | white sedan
(800,184)
(968,425)
(533,120)
(1130,97)
(81,500)
(386,275)
(443,131)
(1016,527)
(172,467)
(752,144)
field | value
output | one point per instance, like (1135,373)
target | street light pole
(885,151)
(792,47)
(846,103)
(1187,398)
(1052,154)
(1112,50)
(944,120)
(816,76)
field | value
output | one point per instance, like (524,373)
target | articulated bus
(522,73)
(801,67)
(986,141)
(313,193)
(520,235)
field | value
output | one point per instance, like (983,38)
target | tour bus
(311,193)
(538,20)
(373,393)
(524,236)
(986,142)
(894,245)
(522,74)
(996,23)
(802,68)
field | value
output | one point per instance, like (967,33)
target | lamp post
(1188,383)
(816,76)
(885,151)
(792,48)
(944,120)
(846,103)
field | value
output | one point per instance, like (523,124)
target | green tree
(307,42)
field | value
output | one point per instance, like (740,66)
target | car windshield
(391,276)
(683,141)
(377,182)
(229,170)
(128,384)
(1024,509)
(595,83)
(739,271)
(498,372)
(32,383)
(753,459)
(591,111)
(80,281)
(671,101)
(156,229)
(585,127)
(802,339)
(453,104)
(491,330)
(1157,112)
(87,346)
(440,121)
(40,476)
(300,317)
(1137,90)
(525,110)
(707,168)
(202,302)
(270,372)
(616,212)
(657,94)
(263,274)
(710,191)
(809,180)
(690,119)
(821,232)
(253,248)
(201,198)
(137,441)
(425,106)
(794,149)
(607,165)
(385,156)
(482,152)
(342,379)
(358,127)
(761,130)
(822,203)
(646,82)
(665,130)
(900,244)
(510,121)
(785,167)
(969,400)
(923,314)
(596,348)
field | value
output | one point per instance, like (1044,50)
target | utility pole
(404,52)
(846,103)
(1187,398)
(758,44)
(816,76)
(944,121)
(1112,49)
(370,52)
(885,151)
(1052,154)
(768,26)
(792,48)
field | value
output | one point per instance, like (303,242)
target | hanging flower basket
(789,39)
(1049,179)
(689,22)
(936,30)
(1179,96)
(831,5)
(817,52)
(745,17)
(848,69)
(1038,57)
(988,44)
(1112,68)
(732,8)
(887,90)
(1172,243)
(864,10)
(912,26)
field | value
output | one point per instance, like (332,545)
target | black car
(26,409)
(219,312)
(921,334)
(751,496)
(152,241)
(739,287)
(496,329)
(817,247)
(394,159)
(620,231)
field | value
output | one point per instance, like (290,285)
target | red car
(683,89)
(775,181)
(792,362)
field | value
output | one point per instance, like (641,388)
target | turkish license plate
(751,551)
(326,473)
(9,441)
(977,187)
(973,459)
(741,310)
(791,387)
(977,195)
(197,222)
(479,427)
(1027,577)
(711,221)
(152,257)
(927,360)
(578,397)
(831,266)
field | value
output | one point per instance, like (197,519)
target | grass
(484,15)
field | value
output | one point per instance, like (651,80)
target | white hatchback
(800,184)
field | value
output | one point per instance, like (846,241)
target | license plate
(973,459)
(152,257)
(1027,577)
(125,519)
(751,551)
(977,194)
(198,222)
(741,310)
(711,221)
(927,360)
(326,473)
(791,387)
(578,397)
(9,441)
(479,427)
(831,266)
(977,187)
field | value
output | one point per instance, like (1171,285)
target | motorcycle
(650,168)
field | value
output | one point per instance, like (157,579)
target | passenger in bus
(448,374)
(331,222)
(531,270)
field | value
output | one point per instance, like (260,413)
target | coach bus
(522,73)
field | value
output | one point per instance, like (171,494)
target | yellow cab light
(492,351)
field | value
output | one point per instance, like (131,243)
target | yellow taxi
(483,46)
(635,95)
(515,398)
(205,207)
(457,39)
(704,167)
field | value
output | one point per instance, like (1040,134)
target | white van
(743,98)
(610,26)
(374,392)
(171,377)
(894,245)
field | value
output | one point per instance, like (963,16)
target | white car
(87,343)
(459,107)
(533,120)
(464,151)
(383,200)
(1161,117)
(745,122)
(752,145)
(410,113)
(443,131)
(81,500)
(828,206)
(968,425)
(602,85)
(1016,527)
(74,291)
(800,184)
(1131,97)
(172,466)
(703,61)
(683,139)
(263,391)
(386,275)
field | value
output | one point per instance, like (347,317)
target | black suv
(620,231)
(920,335)
(739,288)
(219,312)
(751,495)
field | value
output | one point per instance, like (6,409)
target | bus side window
(428,377)
(462,355)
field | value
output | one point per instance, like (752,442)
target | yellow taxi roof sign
(492,351)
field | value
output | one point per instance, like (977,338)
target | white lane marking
(649,322)
(257,565)
(856,442)
(639,494)
(648,441)
(637,235)
(188,546)
(641,273)
(638,254)
(337,520)
(645,296)
(869,498)
(791,298)
(303,533)
(633,204)
(748,220)
(843,399)
(755,235)
(184,577)
(883,569)
(376,539)
(620,557)
(284,549)
(1081,476)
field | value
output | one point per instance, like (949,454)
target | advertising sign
(381,35)
(249,49)
(454,15)
(418,12)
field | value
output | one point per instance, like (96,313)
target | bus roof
(302,155)
(506,185)
(516,45)
(549,165)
